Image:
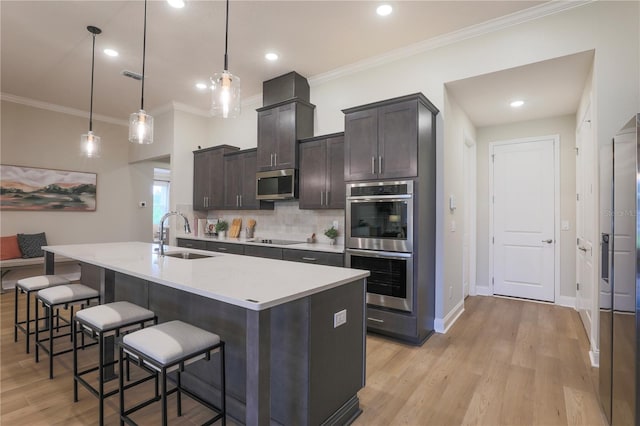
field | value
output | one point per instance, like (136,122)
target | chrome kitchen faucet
(187,228)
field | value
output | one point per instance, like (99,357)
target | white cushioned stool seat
(114,315)
(67,293)
(170,341)
(28,286)
(41,281)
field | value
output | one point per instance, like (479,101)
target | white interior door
(585,224)
(523,200)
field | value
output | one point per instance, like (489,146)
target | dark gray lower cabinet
(194,244)
(306,256)
(263,251)
(317,257)
(225,247)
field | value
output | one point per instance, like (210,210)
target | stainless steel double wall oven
(379,238)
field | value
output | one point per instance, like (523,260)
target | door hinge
(493,240)
(578,286)
(493,158)
(577,151)
(492,282)
(577,197)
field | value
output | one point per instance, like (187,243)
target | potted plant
(221,228)
(332,234)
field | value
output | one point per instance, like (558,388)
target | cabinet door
(313,174)
(398,140)
(267,138)
(248,190)
(216,180)
(335,189)
(285,152)
(263,251)
(200,180)
(232,180)
(361,147)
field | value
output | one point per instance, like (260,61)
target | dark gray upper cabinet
(208,176)
(240,182)
(381,139)
(279,128)
(322,172)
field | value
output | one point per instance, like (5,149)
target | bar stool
(169,347)
(28,286)
(52,298)
(102,321)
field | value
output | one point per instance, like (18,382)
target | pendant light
(90,143)
(225,86)
(141,123)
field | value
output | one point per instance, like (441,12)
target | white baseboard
(568,301)
(442,325)
(594,356)
(482,291)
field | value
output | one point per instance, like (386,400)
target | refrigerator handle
(604,257)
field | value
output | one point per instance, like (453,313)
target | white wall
(565,127)
(53,142)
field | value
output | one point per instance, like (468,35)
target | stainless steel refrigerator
(620,276)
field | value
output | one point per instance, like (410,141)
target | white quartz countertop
(257,241)
(251,282)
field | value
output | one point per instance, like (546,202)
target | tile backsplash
(286,221)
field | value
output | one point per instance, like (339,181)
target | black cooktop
(278,242)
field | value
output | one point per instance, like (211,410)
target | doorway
(524,207)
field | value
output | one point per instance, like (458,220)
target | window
(160,197)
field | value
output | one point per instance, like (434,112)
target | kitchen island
(290,359)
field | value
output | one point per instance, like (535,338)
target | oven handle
(369,198)
(380,254)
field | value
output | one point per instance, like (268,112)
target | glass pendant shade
(90,146)
(225,89)
(140,128)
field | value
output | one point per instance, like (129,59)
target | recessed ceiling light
(384,10)
(201,86)
(271,56)
(516,104)
(178,4)
(110,52)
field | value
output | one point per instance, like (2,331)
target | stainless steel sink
(188,255)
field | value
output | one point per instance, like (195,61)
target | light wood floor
(504,362)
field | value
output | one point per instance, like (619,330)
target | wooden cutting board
(236,225)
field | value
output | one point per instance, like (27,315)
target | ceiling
(46,49)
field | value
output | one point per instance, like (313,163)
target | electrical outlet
(339,318)
(335,224)
(450,292)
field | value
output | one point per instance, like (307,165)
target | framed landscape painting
(36,189)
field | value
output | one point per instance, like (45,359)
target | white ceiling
(46,49)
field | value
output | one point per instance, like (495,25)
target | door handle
(584,249)
(549,241)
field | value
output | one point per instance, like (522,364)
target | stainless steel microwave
(277,185)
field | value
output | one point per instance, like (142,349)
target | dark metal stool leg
(51,340)
(28,321)
(164,397)
(15,315)
(223,385)
(74,330)
(37,333)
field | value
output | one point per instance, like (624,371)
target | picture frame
(38,189)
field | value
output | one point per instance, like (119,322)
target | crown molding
(497,24)
(61,109)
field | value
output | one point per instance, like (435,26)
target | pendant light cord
(93,59)
(226,39)
(144,48)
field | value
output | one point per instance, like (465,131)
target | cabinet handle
(321,198)
(271,159)
(373,164)
(237,200)
(240,199)
(310,259)
(222,249)
(375,320)
(380,164)
(275,156)
(326,198)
